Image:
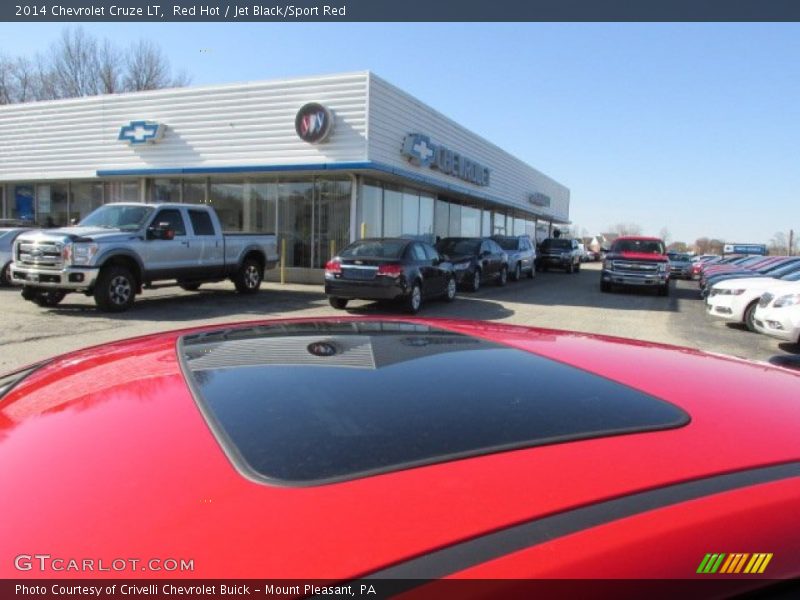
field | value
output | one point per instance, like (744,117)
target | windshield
(508,243)
(639,246)
(792,276)
(458,246)
(119,216)
(375,248)
(557,244)
(783,268)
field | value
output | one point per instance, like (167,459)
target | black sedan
(475,260)
(389,269)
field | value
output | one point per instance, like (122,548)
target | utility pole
(791,241)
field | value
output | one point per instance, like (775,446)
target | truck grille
(765,299)
(40,254)
(637,268)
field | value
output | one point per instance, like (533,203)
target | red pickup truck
(637,261)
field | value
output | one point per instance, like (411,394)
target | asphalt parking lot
(553,300)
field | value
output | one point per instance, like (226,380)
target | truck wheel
(5,274)
(115,289)
(532,273)
(248,278)
(664,290)
(28,293)
(605,286)
(338,303)
(49,298)
(578,268)
(190,287)
(570,268)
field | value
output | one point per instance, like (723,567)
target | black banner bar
(405,589)
(398,10)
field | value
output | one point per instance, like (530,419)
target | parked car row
(763,293)
(411,271)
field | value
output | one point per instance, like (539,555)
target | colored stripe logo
(736,563)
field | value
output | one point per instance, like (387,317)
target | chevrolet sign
(540,199)
(421,152)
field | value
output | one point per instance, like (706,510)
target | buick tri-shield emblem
(313,123)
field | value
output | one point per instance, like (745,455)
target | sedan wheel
(476,281)
(502,278)
(750,315)
(338,303)
(450,291)
(414,300)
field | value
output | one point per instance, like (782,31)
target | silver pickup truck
(121,248)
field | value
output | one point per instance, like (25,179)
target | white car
(778,313)
(736,299)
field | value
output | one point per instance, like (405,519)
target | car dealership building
(320,161)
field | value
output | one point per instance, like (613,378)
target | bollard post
(283,261)
(363,230)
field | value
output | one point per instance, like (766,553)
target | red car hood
(105,454)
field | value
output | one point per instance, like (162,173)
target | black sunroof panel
(313,403)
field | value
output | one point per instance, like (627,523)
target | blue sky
(693,127)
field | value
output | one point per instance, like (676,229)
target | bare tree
(110,66)
(782,243)
(625,229)
(46,80)
(678,247)
(702,245)
(74,61)
(77,64)
(147,68)
(6,78)
(665,235)
(716,246)
(24,80)
(180,79)
(779,244)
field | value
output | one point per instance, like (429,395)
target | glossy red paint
(105,454)
(669,542)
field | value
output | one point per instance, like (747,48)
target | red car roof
(105,453)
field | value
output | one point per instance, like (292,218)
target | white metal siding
(394,113)
(238,125)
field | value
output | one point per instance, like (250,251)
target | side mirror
(162,231)
(485,253)
(73,221)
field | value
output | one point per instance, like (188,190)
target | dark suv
(559,253)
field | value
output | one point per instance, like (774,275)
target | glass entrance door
(314,220)
(331,219)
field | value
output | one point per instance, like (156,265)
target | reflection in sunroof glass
(316,402)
